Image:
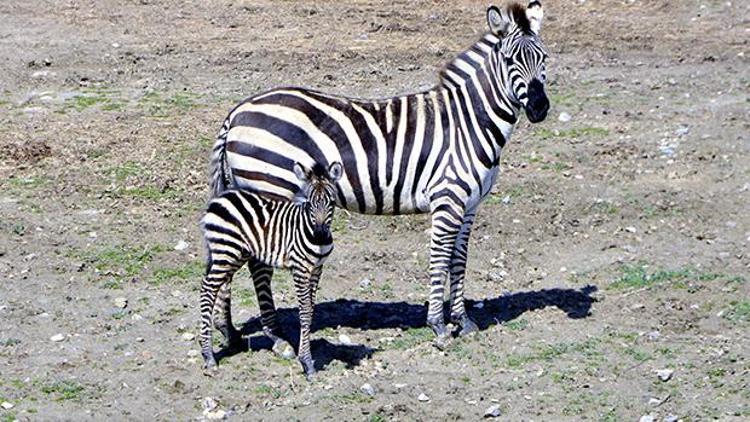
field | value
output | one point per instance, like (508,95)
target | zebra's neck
(479,81)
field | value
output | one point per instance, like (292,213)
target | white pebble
(493,411)
(181,245)
(6,405)
(57,338)
(121,302)
(664,374)
(646,418)
(564,117)
(345,340)
(188,336)
(630,229)
(423,397)
(367,389)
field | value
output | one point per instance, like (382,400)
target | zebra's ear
(335,171)
(301,172)
(497,21)
(535,13)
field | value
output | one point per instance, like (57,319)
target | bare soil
(615,244)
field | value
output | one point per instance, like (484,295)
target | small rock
(506,199)
(400,385)
(493,411)
(653,401)
(423,397)
(564,117)
(181,245)
(367,389)
(57,338)
(664,374)
(140,339)
(121,302)
(671,418)
(365,283)
(209,404)
(215,415)
(646,418)
(193,353)
(682,130)
(654,335)
(188,336)
(345,340)
(6,405)
(630,229)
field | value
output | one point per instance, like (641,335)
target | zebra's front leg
(459,316)
(262,274)
(446,224)
(304,283)
(223,317)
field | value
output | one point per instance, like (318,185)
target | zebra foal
(243,227)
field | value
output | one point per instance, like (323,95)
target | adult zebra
(436,151)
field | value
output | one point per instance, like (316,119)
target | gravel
(493,411)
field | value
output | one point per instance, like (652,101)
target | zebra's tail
(219,176)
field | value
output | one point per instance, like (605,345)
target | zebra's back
(390,148)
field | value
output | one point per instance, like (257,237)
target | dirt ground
(614,246)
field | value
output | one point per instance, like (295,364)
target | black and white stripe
(244,227)
(436,151)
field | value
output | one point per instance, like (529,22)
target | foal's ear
(535,14)
(498,21)
(335,171)
(302,172)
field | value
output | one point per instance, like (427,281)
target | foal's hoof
(283,349)
(467,327)
(443,341)
(209,365)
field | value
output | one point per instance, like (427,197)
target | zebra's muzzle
(538,104)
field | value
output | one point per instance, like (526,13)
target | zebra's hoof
(308,365)
(467,327)
(283,349)
(443,342)
(210,367)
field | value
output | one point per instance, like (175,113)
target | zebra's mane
(457,67)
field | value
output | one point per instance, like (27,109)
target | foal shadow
(576,303)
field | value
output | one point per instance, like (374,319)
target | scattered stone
(493,411)
(209,404)
(367,389)
(646,418)
(506,199)
(121,302)
(423,397)
(682,130)
(215,415)
(192,353)
(654,335)
(188,336)
(664,374)
(653,401)
(564,117)
(140,339)
(136,317)
(57,338)
(365,283)
(671,418)
(345,340)
(93,235)
(399,385)
(630,229)
(181,245)
(6,405)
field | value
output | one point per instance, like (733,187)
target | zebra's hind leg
(446,224)
(459,316)
(262,275)
(216,276)
(223,317)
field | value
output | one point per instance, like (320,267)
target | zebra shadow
(576,303)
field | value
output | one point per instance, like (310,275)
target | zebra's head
(521,55)
(318,194)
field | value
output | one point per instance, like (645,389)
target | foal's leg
(304,281)
(223,317)
(217,275)
(262,275)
